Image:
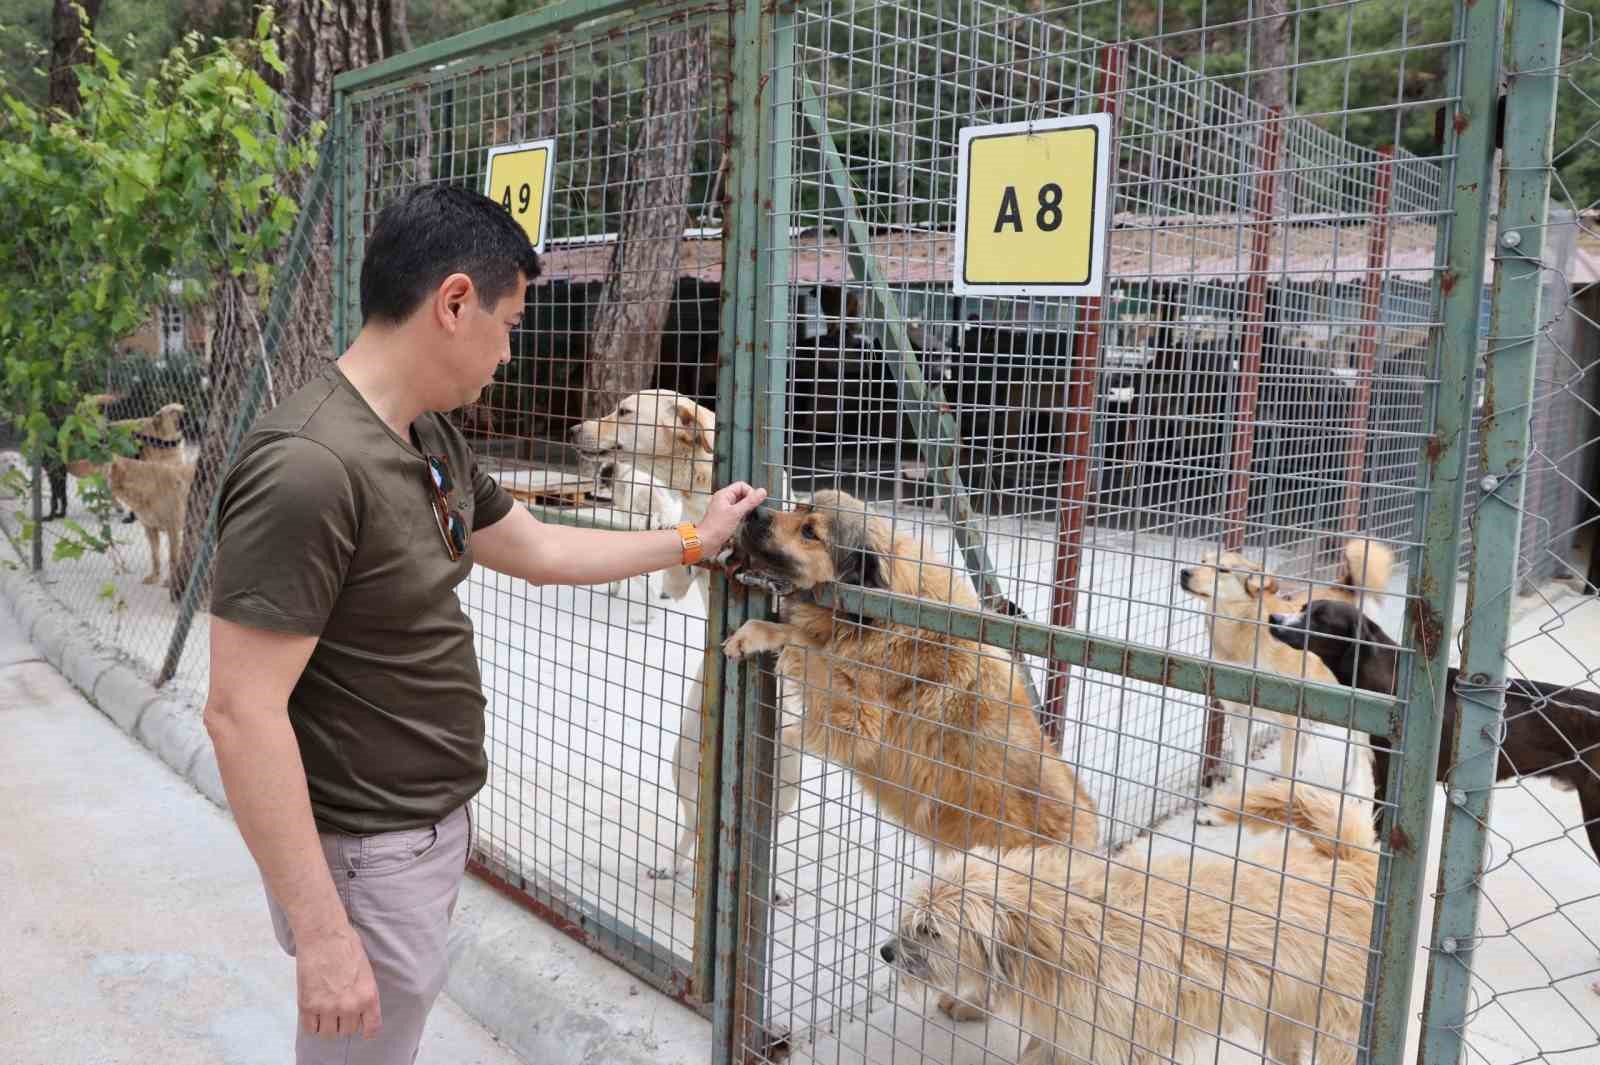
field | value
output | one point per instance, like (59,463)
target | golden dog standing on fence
(939,731)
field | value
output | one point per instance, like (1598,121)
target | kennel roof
(1143,247)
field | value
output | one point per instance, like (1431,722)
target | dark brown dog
(1550,730)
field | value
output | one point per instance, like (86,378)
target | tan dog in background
(939,731)
(1110,964)
(662,447)
(660,443)
(160,436)
(158,492)
(1242,597)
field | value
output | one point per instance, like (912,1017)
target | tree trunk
(1271,46)
(1271,40)
(318,39)
(625,339)
(399,27)
(67,51)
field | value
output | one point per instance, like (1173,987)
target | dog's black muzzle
(1292,629)
(751,560)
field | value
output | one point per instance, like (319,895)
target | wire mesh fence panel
(1515,964)
(605,417)
(1028,548)
(967,479)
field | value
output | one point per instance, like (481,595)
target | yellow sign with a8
(1031,210)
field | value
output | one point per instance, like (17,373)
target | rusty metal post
(1532,63)
(1087,326)
(1237,508)
(1367,344)
(1468,160)
(1255,316)
(36,514)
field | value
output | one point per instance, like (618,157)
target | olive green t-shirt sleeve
(490,502)
(286,532)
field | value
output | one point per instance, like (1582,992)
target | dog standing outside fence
(345,705)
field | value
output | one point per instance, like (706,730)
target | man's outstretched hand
(726,510)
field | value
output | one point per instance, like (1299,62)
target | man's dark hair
(434,231)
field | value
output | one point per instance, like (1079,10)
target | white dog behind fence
(635,491)
(661,447)
(686,777)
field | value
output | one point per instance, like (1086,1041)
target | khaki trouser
(399,889)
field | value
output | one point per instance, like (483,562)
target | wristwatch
(690,536)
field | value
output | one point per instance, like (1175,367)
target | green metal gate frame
(726,979)
(1531,62)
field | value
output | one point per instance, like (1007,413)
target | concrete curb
(160,720)
(529,985)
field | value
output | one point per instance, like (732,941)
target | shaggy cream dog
(1108,964)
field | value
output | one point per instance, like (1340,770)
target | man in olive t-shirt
(345,703)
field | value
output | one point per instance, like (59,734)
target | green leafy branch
(176,178)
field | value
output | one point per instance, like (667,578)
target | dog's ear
(854,560)
(1008,958)
(866,569)
(1259,584)
(691,430)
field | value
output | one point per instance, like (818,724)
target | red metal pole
(1367,346)
(1255,314)
(1086,329)
(1237,508)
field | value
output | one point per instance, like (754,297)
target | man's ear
(451,299)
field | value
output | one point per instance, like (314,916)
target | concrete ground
(133,918)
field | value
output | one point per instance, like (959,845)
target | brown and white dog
(661,446)
(937,730)
(1119,964)
(1241,597)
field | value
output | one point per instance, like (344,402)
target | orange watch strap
(692,549)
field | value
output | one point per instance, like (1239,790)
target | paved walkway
(133,918)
